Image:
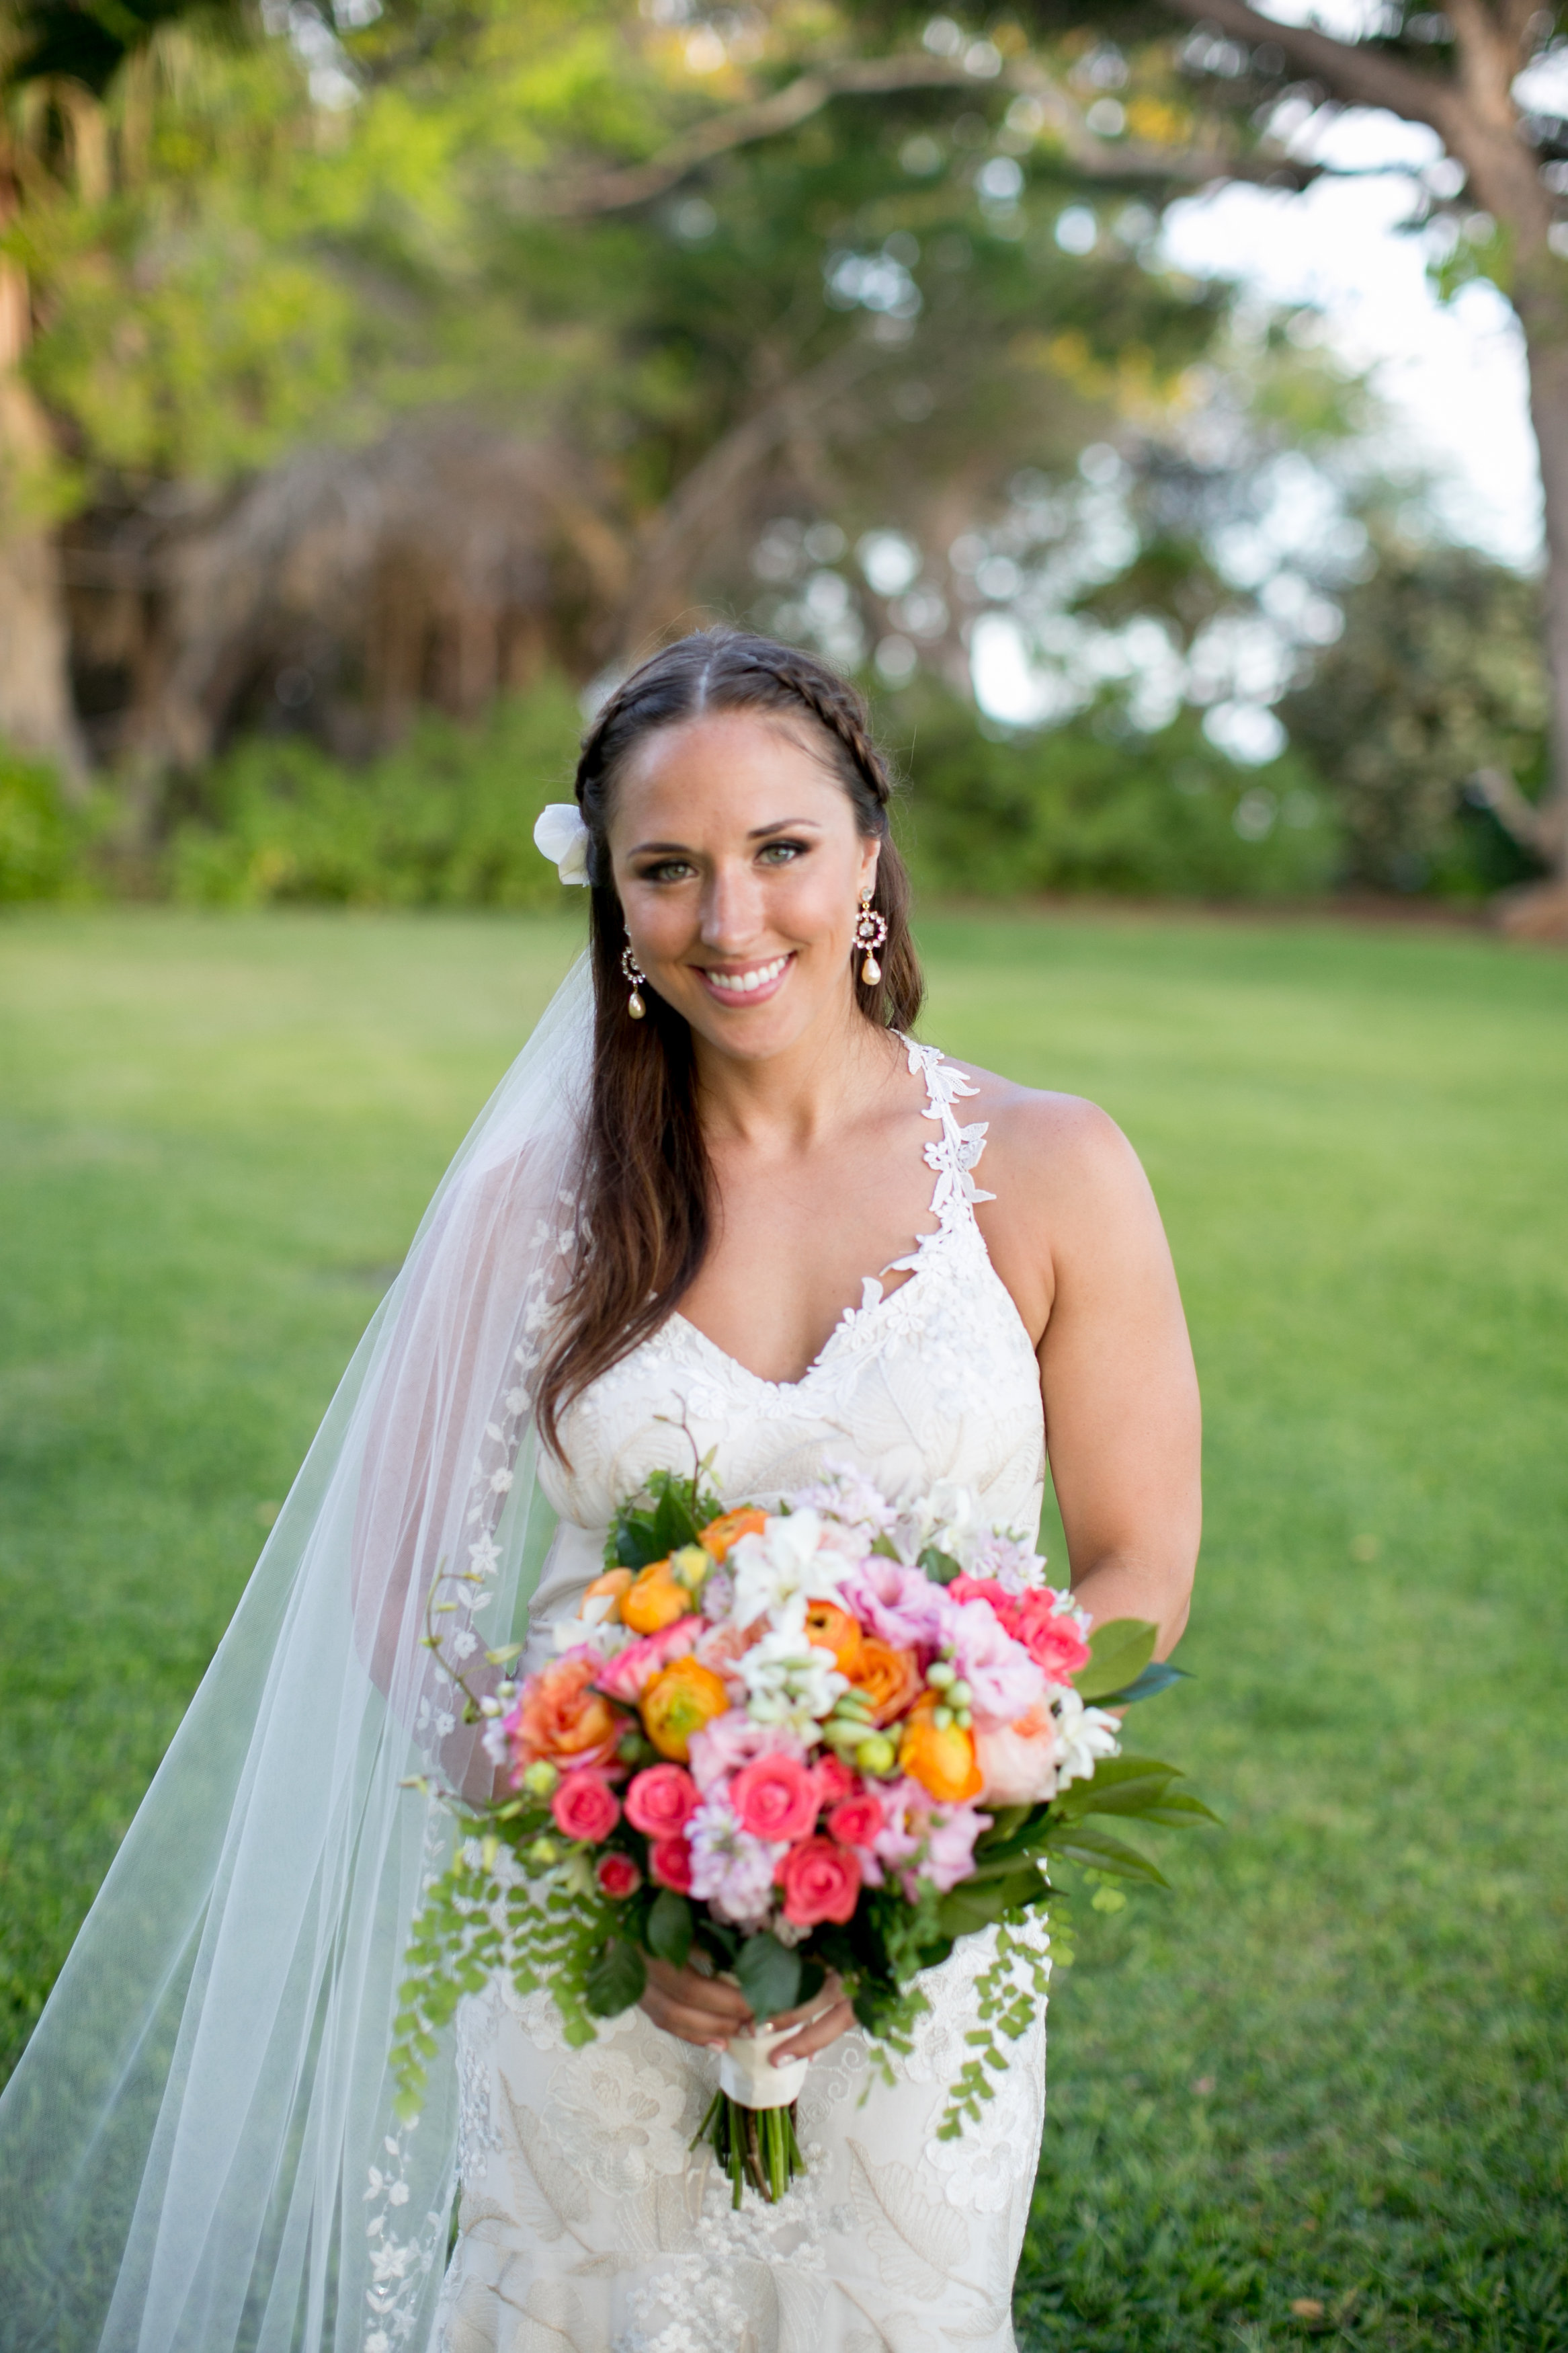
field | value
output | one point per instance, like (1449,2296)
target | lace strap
(956,1152)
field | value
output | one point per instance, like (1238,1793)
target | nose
(731,910)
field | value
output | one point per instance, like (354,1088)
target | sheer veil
(198,2152)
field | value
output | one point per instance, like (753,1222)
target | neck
(795,1097)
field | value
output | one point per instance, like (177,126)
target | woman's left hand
(820,2021)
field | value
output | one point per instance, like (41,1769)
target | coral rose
(584,1805)
(1019,1762)
(775,1797)
(559,1716)
(669,1860)
(891,1680)
(680,1701)
(820,1880)
(834,1781)
(941,1759)
(661,1801)
(828,1628)
(618,1876)
(729,1528)
(1051,1635)
(855,1821)
(657,1598)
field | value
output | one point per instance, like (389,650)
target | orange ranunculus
(942,1762)
(680,1701)
(562,1716)
(828,1628)
(610,1589)
(891,1680)
(655,1599)
(729,1528)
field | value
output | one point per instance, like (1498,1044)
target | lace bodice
(932,1380)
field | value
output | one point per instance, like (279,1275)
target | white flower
(789,1681)
(560,835)
(1087,1733)
(484,1554)
(501,1482)
(777,1573)
(464,1644)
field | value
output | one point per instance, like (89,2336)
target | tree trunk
(36,713)
(1548,353)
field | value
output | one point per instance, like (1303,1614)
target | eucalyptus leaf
(1118,1653)
(768,1974)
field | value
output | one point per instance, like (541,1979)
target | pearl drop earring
(638,981)
(870,931)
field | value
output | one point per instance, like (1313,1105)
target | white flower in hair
(560,835)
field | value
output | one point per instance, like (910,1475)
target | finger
(825,2028)
(826,1994)
(687,2025)
(722,2002)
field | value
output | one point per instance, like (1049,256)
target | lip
(742,999)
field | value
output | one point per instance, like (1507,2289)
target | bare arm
(1076,1236)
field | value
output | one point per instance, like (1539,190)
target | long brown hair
(645,1199)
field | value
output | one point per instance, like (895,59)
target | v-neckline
(847,1316)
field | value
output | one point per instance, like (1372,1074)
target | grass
(1318,2092)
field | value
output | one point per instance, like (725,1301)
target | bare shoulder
(1057,1144)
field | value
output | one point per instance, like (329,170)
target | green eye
(783,853)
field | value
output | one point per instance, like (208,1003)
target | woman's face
(739,869)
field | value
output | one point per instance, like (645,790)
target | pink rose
(834,1781)
(1048,1628)
(669,1860)
(729,1741)
(618,1875)
(628,1675)
(661,1801)
(584,1805)
(775,1797)
(820,1880)
(855,1821)
(1019,1760)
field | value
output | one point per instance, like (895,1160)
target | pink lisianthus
(949,1850)
(730,1870)
(728,1742)
(723,1648)
(618,1875)
(775,1798)
(905,1808)
(669,1860)
(584,1805)
(901,1606)
(919,1841)
(855,1821)
(627,1675)
(820,1880)
(834,1781)
(1019,1760)
(662,1800)
(1003,1679)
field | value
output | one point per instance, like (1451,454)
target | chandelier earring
(638,981)
(870,931)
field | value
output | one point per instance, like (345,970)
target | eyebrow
(758,833)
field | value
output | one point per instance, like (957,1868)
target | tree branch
(1359,76)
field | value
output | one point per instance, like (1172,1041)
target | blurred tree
(1434,694)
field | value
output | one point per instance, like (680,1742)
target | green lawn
(1331,2068)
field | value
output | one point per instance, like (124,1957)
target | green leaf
(1118,1653)
(1179,1811)
(940,1567)
(616,1980)
(978,1901)
(1099,1851)
(769,1976)
(1157,1676)
(669,1928)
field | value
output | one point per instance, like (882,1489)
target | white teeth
(742,984)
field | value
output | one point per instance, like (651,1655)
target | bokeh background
(1163,409)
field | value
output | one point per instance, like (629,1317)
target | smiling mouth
(753,981)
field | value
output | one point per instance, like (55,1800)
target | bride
(723,1195)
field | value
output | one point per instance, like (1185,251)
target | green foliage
(445,820)
(1439,673)
(769,1976)
(1118,1655)
(1095,807)
(40,842)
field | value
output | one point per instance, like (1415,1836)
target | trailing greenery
(1328,2069)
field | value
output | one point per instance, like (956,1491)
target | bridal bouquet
(828,1740)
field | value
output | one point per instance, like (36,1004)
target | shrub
(39,840)
(445,820)
(1079,807)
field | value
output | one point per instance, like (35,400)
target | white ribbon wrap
(747,2073)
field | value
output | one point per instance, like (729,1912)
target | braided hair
(645,1183)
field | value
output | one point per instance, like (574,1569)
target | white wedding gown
(586,2225)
